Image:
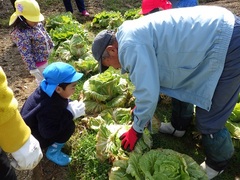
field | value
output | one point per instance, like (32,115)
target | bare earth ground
(23,84)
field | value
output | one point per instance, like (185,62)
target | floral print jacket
(34,44)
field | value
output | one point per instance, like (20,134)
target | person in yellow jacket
(15,136)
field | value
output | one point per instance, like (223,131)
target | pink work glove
(129,139)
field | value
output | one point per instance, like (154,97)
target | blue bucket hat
(57,73)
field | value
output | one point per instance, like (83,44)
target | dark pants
(216,138)
(182,114)
(68,5)
(7,172)
(62,137)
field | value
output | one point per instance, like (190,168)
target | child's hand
(77,108)
(37,74)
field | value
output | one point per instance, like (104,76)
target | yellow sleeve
(13,130)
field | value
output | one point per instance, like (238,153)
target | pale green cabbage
(106,90)
(158,164)
(109,145)
(87,66)
(79,46)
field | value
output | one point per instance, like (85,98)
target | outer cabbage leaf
(108,88)
(161,164)
(118,115)
(93,107)
(233,125)
(78,46)
(87,66)
(144,144)
(93,95)
(234,129)
(133,166)
(64,32)
(94,122)
(63,51)
(109,145)
(107,114)
(58,20)
(122,115)
(105,84)
(235,115)
(118,101)
(118,172)
(107,19)
(193,169)
(132,14)
(101,85)
(236,142)
(168,164)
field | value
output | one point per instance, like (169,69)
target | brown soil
(23,83)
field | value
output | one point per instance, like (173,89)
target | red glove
(129,139)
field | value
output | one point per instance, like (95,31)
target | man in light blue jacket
(187,54)
(182,112)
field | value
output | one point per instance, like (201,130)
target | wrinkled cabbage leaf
(79,46)
(87,66)
(108,88)
(161,164)
(109,145)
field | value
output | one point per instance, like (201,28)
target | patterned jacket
(34,44)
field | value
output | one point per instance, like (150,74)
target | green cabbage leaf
(109,145)
(233,125)
(161,164)
(107,90)
(88,65)
(79,46)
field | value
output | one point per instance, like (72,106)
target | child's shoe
(55,155)
(85,13)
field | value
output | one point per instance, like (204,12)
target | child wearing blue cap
(49,112)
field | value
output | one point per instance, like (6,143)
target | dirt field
(23,84)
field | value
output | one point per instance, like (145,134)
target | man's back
(181,45)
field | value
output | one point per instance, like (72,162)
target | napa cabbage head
(161,164)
